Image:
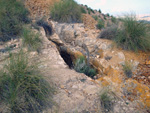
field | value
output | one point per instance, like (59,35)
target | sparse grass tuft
(66,11)
(23,89)
(109,33)
(133,35)
(12,16)
(130,35)
(82,67)
(127,68)
(106,98)
(31,39)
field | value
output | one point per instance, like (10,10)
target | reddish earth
(143,73)
(38,8)
(89,21)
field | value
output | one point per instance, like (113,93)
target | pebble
(75,87)
(62,86)
(142,77)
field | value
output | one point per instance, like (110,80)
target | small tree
(99,11)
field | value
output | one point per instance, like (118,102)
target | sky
(119,7)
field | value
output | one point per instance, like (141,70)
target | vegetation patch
(83,10)
(134,35)
(31,39)
(12,16)
(100,24)
(105,17)
(99,11)
(108,14)
(106,99)
(66,11)
(113,19)
(23,89)
(92,10)
(109,33)
(95,17)
(89,11)
(127,68)
(82,67)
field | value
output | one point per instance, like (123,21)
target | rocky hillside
(106,18)
(90,17)
(122,80)
(39,8)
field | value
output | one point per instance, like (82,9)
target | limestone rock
(121,55)
(68,32)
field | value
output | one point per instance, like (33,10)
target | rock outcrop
(77,92)
(105,58)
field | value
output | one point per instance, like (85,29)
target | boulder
(68,32)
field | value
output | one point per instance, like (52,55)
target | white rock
(121,55)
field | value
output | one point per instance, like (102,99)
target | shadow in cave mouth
(49,31)
(67,58)
(86,69)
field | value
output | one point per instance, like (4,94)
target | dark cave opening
(67,58)
(62,50)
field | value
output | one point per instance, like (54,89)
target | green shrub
(127,68)
(109,33)
(23,89)
(31,39)
(95,17)
(82,67)
(133,35)
(66,11)
(113,19)
(83,10)
(99,11)
(100,24)
(106,98)
(92,10)
(105,17)
(89,11)
(108,14)
(12,16)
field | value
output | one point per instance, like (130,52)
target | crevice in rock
(66,57)
(69,58)
(47,27)
(9,48)
(62,49)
